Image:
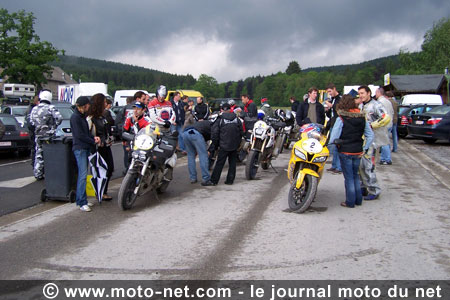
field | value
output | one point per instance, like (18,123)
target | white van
(120,97)
(413,99)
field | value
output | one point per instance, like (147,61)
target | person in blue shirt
(347,134)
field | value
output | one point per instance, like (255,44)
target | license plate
(419,122)
(5,144)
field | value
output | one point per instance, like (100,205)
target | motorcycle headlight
(144,142)
(299,154)
(259,131)
(139,155)
(320,159)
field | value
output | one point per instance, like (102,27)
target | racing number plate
(312,146)
(419,122)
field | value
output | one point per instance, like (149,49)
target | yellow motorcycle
(306,166)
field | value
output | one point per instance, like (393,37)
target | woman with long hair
(99,127)
(347,133)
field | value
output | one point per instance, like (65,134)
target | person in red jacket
(133,124)
(161,111)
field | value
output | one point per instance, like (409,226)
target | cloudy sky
(231,39)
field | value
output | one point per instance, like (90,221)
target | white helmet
(45,95)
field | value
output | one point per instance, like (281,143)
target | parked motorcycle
(262,144)
(151,167)
(306,166)
(291,129)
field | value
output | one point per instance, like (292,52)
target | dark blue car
(432,126)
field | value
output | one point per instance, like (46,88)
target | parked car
(18,111)
(405,113)
(16,138)
(66,110)
(432,126)
(215,104)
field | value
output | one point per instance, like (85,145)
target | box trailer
(71,92)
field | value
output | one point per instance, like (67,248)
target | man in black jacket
(201,110)
(226,135)
(311,111)
(83,142)
(178,108)
(331,113)
(294,104)
(195,137)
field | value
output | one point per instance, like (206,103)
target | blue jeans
(195,144)
(386,151)
(179,128)
(394,138)
(336,163)
(82,162)
(350,168)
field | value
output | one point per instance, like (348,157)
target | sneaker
(208,183)
(384,162)
(331,169)
(90,204)
(85,208)
(193,181)
(336,171)
(229,182)
(389,162)
(371,197)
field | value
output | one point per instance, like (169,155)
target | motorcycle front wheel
(252,164)
(127,197)
(300,199)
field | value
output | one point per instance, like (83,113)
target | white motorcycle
(262,142)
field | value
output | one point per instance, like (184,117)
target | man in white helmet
(161,111)
(45,118)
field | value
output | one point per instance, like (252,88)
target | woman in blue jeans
(347,134)
(83,142)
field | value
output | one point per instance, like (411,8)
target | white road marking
(17,183)
(16,162)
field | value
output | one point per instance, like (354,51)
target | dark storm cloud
(256,31)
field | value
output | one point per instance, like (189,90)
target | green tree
(435,55)
(208,86)
(293,68)
(23,56)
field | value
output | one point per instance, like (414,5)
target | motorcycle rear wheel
(251,165)
(300,199)
(126,197)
